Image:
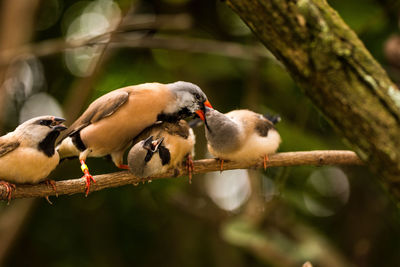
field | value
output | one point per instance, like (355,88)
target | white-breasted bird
(27,155)
(163,146)
(111,122)
(241,135)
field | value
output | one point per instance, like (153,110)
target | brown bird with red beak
(27,155)
(112,121)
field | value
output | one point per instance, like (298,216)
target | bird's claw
(89,179)
(190,167)
(9,188)
(266,159)
(52,183)
(221,165)
(88,176)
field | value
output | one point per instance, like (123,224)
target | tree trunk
(335,70)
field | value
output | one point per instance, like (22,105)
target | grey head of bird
(40,131)
(147,157)
(190,99)
(222,133)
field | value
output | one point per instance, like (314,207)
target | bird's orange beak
(200,112)
(207,104)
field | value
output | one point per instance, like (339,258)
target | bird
(28,155)
(241,135)
(112,121)
(163,146)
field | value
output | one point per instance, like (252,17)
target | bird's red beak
(200,112)
(207,104)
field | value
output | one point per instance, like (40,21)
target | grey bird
(241,135)
(111,122)
(27,155)
(162,147)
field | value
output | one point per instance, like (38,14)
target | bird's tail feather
(272,118)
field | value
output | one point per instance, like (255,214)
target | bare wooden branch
(140,23)
(196,45)
(73,186)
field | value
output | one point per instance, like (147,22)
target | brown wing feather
(101,108)
(6,147)
(181,129)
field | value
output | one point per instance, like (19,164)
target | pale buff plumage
(21,160)
(240,135)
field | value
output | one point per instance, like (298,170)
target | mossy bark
(335,70)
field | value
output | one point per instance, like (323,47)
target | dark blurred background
(56,56)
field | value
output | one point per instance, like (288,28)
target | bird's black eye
(45,122)
(197,96)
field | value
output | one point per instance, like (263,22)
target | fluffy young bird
(162,147)
(27,155)
(111,122)
(241,135)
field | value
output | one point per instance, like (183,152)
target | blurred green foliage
(171,223)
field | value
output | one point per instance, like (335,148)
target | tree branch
(335,70)
(141,23)
(73,186)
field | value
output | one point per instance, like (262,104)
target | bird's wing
(101,108)
(6,146)
(180,129)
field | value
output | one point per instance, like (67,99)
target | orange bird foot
(89,179)
(221,165)
(190,167)
(88,176)
(9,188)
(266,159)
(123,166)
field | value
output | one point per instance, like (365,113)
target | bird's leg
(266,159)
(87,175)
(9,188)
(123,166)
(51,183)
(190,167)
(221,168)
(118,160)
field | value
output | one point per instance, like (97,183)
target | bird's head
(145,158)
(189,100)
(152,145)
(37,129)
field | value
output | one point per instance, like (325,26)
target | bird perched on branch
(162,147)
(241,135)
(111,122)
(27,155)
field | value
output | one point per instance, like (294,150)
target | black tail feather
(272,118)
